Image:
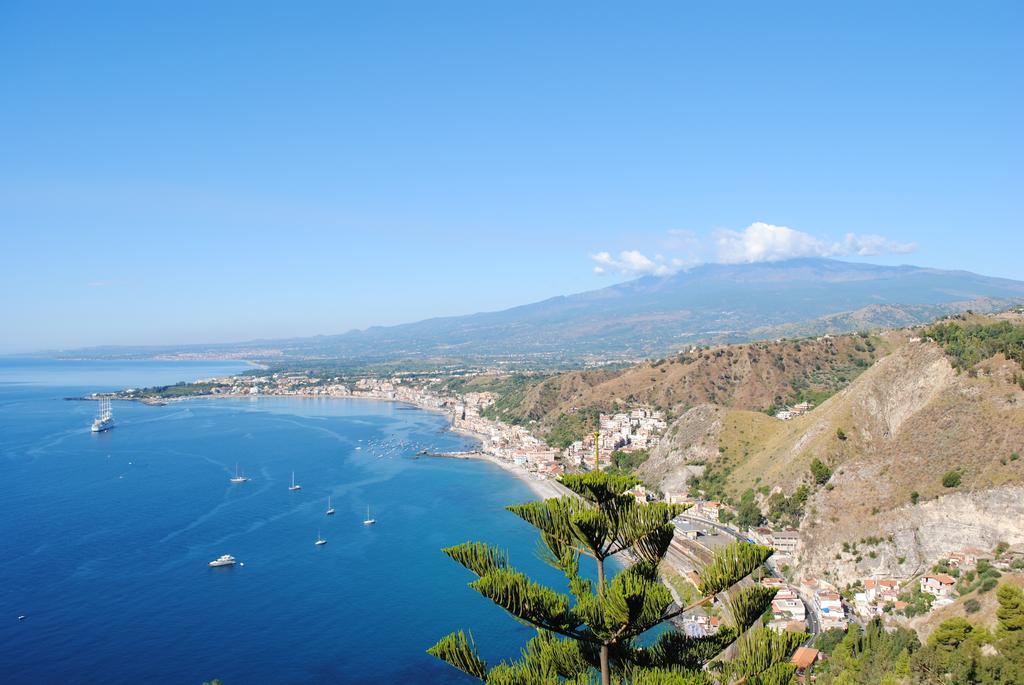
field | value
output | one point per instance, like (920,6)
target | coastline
(542,487)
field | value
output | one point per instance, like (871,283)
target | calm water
(105,538)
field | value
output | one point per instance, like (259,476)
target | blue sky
(196,172)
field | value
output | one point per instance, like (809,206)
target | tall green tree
(593,632)
(1010,613)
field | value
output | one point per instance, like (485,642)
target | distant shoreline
(542,487)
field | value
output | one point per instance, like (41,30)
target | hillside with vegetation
(759,376)
(920,455)
(913,447)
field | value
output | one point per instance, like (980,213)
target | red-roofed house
(804,658)
(938,585)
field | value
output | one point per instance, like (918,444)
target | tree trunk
(606,674)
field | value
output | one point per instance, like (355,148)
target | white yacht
(293,487)
(368,521)
(239,478)
(330,509)
(104,421)
(319,540)
(223,560)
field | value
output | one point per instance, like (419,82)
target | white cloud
(761,242)
(758,242)
(635,263)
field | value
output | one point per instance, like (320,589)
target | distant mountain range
(652,315)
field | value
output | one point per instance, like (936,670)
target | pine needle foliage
(592,634)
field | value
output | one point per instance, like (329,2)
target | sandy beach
(544,488)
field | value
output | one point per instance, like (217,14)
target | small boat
(223,560)
(330,509)
(319,540)
(293,487)
(239,478)
(368,521)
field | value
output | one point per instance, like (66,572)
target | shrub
(972,606)
(987,584)
(914,497)
(841,434)
(627,462)
(748,514)
(820,471)
(951,479)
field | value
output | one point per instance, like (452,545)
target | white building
(938,585)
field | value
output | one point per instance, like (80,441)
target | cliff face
(913,537)
(909,421)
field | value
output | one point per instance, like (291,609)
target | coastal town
(803,603)
(637,429)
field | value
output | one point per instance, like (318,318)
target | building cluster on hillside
(878,593)
(794,411)
(826,602)
(788,610)
(514,444)
(638,429)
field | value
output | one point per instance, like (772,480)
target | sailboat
(293,487)
(330,509)
(239,478)
(319,540)
(105,419)
(368,521)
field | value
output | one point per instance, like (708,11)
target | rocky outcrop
(913,537)
(898,387)
(690,442)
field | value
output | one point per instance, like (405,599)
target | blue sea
(105,538)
